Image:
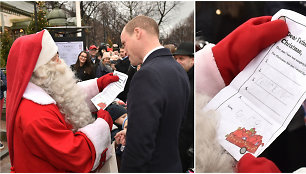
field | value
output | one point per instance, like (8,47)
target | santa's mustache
(59,81)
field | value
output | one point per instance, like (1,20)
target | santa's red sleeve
(50,140)
(209,79)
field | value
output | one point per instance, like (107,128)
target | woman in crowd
(83,68)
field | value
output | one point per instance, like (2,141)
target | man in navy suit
(157,101)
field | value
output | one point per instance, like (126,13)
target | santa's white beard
(210,155)
(58,80)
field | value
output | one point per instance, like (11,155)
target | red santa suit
(39,138)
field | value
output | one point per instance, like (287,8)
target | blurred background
(216,19)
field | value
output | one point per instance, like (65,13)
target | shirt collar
(147,55)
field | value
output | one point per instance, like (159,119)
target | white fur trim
(109,152)
(37,95)
(210,155)
(99,134)
(48,50)
(209,80)
(110,165)
(300,170)
(91,88)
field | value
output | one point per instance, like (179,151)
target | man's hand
(106,116)
(120,137)
(237,49)
(105,80)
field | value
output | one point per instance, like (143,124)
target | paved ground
(5,165)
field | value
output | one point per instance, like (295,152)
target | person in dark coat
(83,68)
(184,55)
(95,61)
(123,65)
(157,101)
(105,64)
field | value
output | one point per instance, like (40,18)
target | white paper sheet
(69,51)
(110,92)
(261,101)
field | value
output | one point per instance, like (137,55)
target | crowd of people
(52,125)
(96,62)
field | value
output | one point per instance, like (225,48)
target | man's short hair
(143,22)
(171,47)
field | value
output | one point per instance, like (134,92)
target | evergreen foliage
(6,42)
(42,21)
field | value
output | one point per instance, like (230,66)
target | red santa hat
(26,55)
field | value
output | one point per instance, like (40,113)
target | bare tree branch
(108,18)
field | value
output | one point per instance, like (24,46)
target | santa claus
(50,127)
(216,66)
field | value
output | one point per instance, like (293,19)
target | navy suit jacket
(157,102)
